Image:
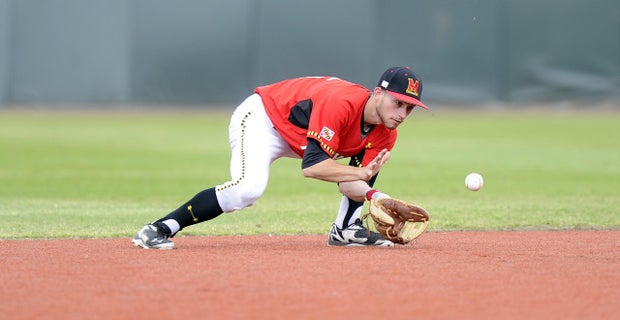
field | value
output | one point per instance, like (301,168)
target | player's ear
(377,91)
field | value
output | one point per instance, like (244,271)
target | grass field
(104,174)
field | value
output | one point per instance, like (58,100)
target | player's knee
(241,196)
(249,196)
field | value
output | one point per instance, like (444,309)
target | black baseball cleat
(152,237)
(356,235)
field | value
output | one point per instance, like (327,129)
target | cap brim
(407,99)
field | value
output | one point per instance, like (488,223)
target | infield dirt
(443,275)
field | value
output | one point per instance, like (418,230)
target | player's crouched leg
(237,196)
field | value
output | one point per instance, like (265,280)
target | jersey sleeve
(313,154)
(329,119)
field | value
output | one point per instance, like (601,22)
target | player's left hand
(397,220)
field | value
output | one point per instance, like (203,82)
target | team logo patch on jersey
(327,133)
(413,86)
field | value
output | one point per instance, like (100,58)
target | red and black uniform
(327,110)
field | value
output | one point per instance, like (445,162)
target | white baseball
(474,181)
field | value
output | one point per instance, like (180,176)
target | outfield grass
(104,174)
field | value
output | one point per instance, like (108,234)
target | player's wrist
(375,194)
(370,192)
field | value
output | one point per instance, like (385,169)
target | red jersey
(326,109)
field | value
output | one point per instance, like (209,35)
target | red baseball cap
(403,84)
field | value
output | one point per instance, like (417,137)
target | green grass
(104,174)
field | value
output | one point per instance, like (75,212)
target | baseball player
(315,119)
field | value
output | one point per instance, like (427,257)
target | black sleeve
(313,154)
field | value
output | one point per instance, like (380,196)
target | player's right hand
(375,165)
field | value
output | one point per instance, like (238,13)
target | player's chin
(392,124)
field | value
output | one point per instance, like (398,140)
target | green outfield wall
(205,52)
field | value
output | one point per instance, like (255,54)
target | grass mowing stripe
(104,174)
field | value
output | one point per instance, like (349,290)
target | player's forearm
(330,170)
(355,190)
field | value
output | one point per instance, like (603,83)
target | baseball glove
(397,220)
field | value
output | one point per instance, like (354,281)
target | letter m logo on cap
(413,86)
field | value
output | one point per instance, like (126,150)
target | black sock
(353,205)
(202,207)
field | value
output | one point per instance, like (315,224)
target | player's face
(392,111)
